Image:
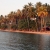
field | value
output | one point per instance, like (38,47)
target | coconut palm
(19,13)
(42,13)
(29,12)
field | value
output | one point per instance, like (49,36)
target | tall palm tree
(19,13)
(12,18)
(29,12)
(1,18)
(25,13)
(42,13)
(37,5)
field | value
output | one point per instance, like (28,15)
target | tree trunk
(28,23)
(36,25)
(41,23)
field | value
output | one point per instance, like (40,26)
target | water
(19,41)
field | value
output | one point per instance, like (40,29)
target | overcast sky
(6,6)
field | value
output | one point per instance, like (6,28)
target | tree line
(31,17)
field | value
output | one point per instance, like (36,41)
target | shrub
(3,26)
(14,27)
(22,24)
(32,25)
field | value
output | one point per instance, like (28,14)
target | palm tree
(1,19)
(37,5)
(25,13)
(32,12)
(42,13)
(11,18)
(28,12)
(19,13)
(26,8)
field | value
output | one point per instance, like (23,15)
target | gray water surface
(20,41)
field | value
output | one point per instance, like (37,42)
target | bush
(32,25)
(3,26)
(22,24)
(14,27)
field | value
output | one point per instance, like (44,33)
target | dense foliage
(31,17)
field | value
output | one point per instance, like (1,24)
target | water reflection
(19,41)
(44,42)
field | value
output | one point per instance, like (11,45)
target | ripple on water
(19,41)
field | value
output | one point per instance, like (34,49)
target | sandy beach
(27,32)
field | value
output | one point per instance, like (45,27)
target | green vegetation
(3,26)
(22,24)
(31,17)
(14,27)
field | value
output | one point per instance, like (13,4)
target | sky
(6,6)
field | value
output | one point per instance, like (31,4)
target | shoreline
(27,32)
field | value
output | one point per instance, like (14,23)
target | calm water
(19,41)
